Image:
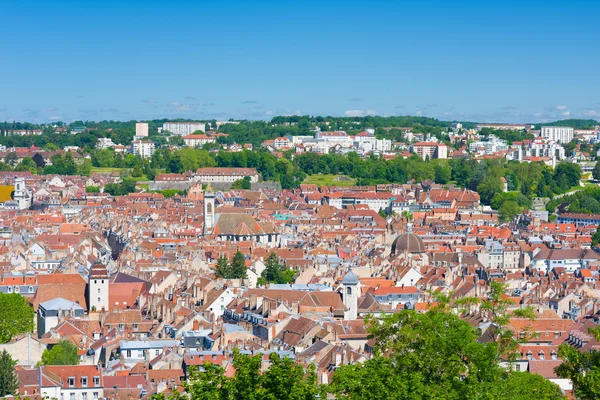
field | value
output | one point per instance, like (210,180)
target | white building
(141,129)
(142,148)
(198,140)
(489,146)
(560,134)
(225,175)
(98,288)
(104,143)
(184,128)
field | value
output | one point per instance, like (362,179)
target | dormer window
(84,381)
(71,381)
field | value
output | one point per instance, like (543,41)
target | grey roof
(60,304)
(301,286)
(147,344)
(350,278)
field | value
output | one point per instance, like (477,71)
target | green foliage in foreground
(434,355)
(16,316)
(8,380)
(284,380)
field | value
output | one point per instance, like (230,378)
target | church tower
(209,210)
(98,288)
(21,196)
(350,287)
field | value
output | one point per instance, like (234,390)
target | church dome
(408,242)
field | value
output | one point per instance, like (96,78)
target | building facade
(183,128)
(141,129)
(560,134)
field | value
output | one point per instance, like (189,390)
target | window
(96,384)
(128,353)
(72,396)
(95,394)
(71,381)
(135,326)
(99,290)
(121,326)
(157,352)
(349,291)
(84,381)
(99,300)
(84,396)
(30,289)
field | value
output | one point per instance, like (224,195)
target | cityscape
(291,239)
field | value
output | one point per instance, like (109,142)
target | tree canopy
(8,380)
(16,316)
(63,353)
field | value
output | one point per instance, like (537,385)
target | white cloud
(566,114)
(419,112)
(561,107)
(591,113)
(55,118)
(359,113)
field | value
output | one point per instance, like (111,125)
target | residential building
(142,148)
(183,128)
(198,140)
(141,129)
(560,134)
(430,149)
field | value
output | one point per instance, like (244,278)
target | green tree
(16,316)
(223,268)
(523,386)
(8,379)
(443,173)
(63,353)
(275,272)
(242,183)
(582,368)
(283,380)
(508,211)
(596,171)
(137,172)
(596,238)
(39,161)
(11,159)
(238,266)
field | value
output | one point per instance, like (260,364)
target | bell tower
(209,210)
(351,288)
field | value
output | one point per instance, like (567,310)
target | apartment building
(142,148)
(141,129)
(560,134)
(430,149)
(183,128)
(198,140)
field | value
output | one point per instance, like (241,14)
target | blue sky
(499,61)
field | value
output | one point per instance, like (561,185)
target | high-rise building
(560,134)
(183,128)
(141,129)
(142,148)
(430,149)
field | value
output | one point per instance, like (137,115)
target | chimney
(196,325)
